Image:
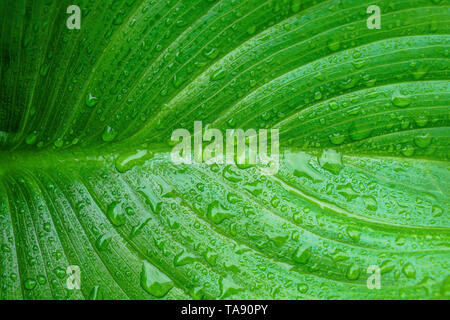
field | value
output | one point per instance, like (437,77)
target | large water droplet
(400,100)
(116,214)
(217,213)
(423,141)
(103,242)
(154,281)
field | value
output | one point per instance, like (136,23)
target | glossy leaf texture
(86,179)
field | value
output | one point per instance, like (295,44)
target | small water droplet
(91,101)
(31,138)
(353,272)
(109,134)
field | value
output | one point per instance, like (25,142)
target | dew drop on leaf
(30,284)
(423,141)
(31,138)
(109,134)
(302,254)
(116,214)
(353,272)
(400,100)
(91,101)
(337,138)
(154,281)
(103,242)
(409,271)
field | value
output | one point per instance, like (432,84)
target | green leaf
(86,177)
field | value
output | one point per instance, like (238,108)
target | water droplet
(115,214)
(59,272)
(408,150)
(337,138)
(333,105)
(103,242)
(387,266)
(219,74)
(31,138)
(91,101)
(183,258)
(353,233)
(334,45)
(109,134)
(436,211)
(358,64)
(400,100)
(318,95)
(302,287)
(30,284)
(154,281)
(58,143)
(423,141)
(42,280)
(409,271)
(251,30)
(302,254)
(138,228)
(217,213)
(211,53)
(211,257)
(421,121)
(44,70)
(353,272)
